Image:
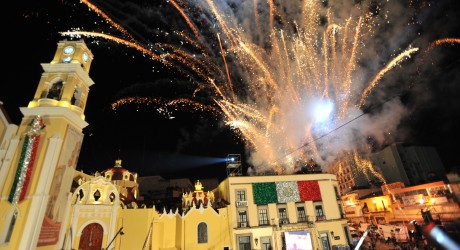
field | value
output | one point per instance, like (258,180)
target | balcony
(241,204)
(284,221)
(320,218)
(242,224)
(302,219)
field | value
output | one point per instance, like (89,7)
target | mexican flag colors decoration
(286,191)
(26,161)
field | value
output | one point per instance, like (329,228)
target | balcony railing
(242,224)
(241,203)
(284,221)
(320,218)
(302,219)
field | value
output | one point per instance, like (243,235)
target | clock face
(85,56)
(67,59)
(68,50)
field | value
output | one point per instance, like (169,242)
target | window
(263,216)
(240,195)
(301,215)
(112,197)
(342,213)
(283,217)
(319,213)
(97,195)
(242,218)
(81,194)
(244,243)
(76,97)
(337,194)
(325,241)
(265,243)
(202,233)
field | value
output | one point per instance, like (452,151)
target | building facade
(266,212)
(411,165)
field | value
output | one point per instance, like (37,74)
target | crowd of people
(391,243)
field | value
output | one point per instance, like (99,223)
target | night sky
(185,142)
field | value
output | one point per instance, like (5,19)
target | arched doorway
(91,237)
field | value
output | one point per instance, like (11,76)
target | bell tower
(35,184)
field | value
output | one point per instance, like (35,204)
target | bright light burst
(323,111)
(267,69)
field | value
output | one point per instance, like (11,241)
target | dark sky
(151,139)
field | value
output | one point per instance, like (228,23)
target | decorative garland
(26,161)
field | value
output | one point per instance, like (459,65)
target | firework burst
(281,86)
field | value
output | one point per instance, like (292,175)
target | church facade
(46,204)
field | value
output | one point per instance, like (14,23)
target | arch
(202,233)
(84,225)
(55,90)
(76,96)
(91,237)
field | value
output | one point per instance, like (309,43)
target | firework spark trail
(185,104)
(271,11)
(187,19)
(170,59)
(444,41)
(202,67)
(133,45)
(109,20)
(392,64)
(436,43)
(364,167)
(226,68)
(231,34)
(350,67)
(268,81)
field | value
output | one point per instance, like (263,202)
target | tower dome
(126,182)
(118,173)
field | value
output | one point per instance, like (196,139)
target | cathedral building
(45,203)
